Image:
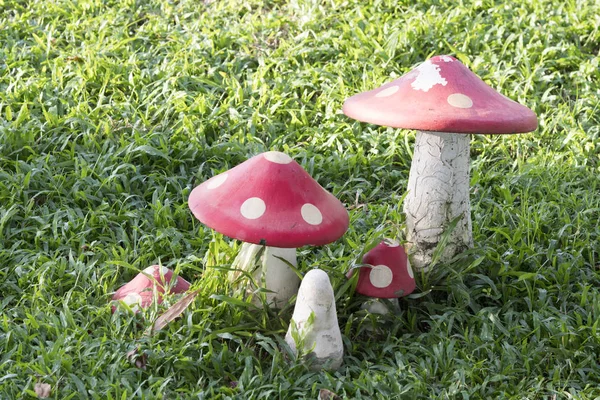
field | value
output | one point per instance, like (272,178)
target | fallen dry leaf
(42,390)
(74,59)
(325,394)
(138,359)
(173,312)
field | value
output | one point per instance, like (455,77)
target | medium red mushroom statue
(151,282)
(269,200)
(385,274)
(444,101)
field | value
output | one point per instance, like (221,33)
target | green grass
(111,112)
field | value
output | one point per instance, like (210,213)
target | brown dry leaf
(325,394)
(138,359)
(42,390)
(75,59)
(173,312)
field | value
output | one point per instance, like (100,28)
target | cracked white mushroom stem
(438,193)
(269,271)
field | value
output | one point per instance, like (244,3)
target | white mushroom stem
(270,271)
(377,306)
(438,193)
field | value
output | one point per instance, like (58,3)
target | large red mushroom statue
(445,102)
(273,205)
(385,274)
(151,283)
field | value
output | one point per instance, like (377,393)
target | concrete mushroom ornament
(151,282)
(316,323)
(389,274)
(444,101)
(270,200)
(385,274)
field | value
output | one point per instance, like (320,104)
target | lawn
(111,112)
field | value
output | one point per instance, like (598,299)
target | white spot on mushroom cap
(388,91)
(150,270)
(278,157)
(446,58)
(409,270)
(217,181)
(381,276)
(133,300)
(460,100)
(391,242)
(429,76)
(253,208)
(311,214)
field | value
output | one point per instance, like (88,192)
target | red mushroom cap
(139,292)
(269,199)
(390,275)
(441,95)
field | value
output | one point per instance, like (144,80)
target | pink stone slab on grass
(140,291)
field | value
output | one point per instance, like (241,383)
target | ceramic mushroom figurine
(140,291)
(444,101)
(386,274)
(316,322)
(269,200)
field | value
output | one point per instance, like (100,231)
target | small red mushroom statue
(386,274)
(140,291)
(273,205)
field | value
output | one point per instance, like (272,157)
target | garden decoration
(273,205)
(444,101)
(140,291)
(314,325)
(386,274)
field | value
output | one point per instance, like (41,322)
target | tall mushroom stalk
(274,206)
(444,101)
(438,193)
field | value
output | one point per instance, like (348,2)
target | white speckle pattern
(217,181)
(446,58)
(253,208)
(150,270)
(391,242)
(133,300)
(381,276)
(429,76)
(460,100)
(278,157)
(388,91)
(311,214)
(409,270)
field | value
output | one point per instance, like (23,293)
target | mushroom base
(376,306)
(438,193)
(269,271)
